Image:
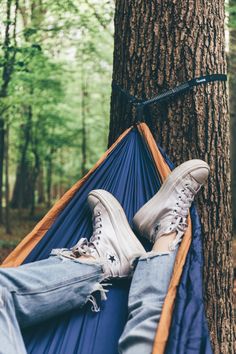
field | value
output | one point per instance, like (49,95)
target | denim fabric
(148,290)
(37,291)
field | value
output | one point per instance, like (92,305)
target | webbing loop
(169,94)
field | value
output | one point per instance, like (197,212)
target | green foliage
(231,12)
(62,74)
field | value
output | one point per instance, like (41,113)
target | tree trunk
(49,170)
(7,209)
(158,45)
(21,194)
(7,71)
(34,177)
(40,186)
(84,103)
(2,145)
(232,90)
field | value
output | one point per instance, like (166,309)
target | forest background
(55,87)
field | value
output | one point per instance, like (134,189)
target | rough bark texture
(159,44)
(232,87)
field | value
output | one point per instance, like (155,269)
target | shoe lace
(85,247)
(179,223)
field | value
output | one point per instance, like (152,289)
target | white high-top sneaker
(167,211)
(113,243)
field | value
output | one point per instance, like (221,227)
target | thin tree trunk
(49,171)
(2,145)
(157,46)
(35,174)
(84,96)
(9,60)
(21,197)
(7,208)
(40,186)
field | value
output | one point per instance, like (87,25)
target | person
(68,278)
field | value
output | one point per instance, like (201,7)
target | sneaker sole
(120,224)
(152,208)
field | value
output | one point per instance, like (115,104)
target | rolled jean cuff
(150,255)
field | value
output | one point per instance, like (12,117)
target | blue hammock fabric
(130,175)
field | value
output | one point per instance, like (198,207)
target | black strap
(169,94)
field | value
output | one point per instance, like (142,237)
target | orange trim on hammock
(163,329)
(18,255)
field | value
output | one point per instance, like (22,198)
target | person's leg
(163,220)
(37,291)
(146,297)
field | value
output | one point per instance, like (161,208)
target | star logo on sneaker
(112,258)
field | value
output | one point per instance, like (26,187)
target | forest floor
(21,225)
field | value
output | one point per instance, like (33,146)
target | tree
(232,90)
(158,45)
(9,47)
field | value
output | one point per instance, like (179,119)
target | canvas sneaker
(167,211)
(113,244)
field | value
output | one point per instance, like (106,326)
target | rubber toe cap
(201,174)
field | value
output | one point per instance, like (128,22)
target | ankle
(87,258)
(162,244)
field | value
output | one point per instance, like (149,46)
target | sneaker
(167,211)
(113,244)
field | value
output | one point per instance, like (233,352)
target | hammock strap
(169,94)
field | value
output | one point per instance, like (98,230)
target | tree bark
(232,97)
(158,45)
(7,208)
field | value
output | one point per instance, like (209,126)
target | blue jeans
(40,290)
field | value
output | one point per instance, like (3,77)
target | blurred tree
(159,45)
(9,48)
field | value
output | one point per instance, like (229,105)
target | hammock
(132,170)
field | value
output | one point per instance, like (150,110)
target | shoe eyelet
(100,225)
(99,213)
(100,231)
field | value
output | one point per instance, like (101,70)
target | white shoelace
(85,247)
(180,212)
